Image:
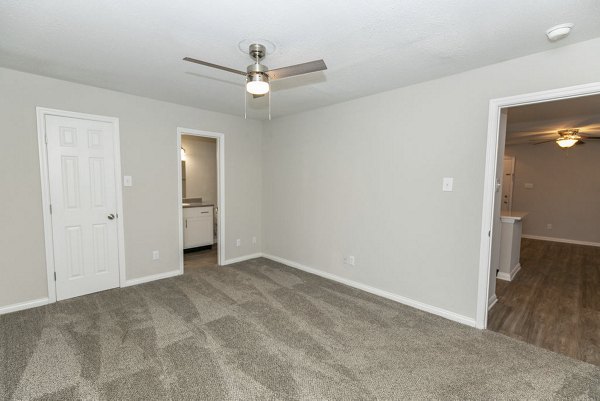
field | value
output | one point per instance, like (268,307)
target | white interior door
(81,175)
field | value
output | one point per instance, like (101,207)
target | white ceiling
(541,121)
(136,46)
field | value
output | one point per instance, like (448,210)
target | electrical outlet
(155,255)
(238,242)
(548,226)
(254,240)
(349,260)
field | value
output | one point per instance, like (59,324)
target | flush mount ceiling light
(559,31)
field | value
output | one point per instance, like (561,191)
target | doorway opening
(540,260)
(201,198)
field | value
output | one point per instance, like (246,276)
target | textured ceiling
(136,46)
(538,122)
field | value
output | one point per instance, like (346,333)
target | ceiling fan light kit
(257,84)
(566,142)
(568,138)
(258,76)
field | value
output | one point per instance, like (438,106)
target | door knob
(111,216)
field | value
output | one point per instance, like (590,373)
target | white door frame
(220,190)
(42,112)
(489,186)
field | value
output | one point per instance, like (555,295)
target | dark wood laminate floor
(554,301)
(200,259)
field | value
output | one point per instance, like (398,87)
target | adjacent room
(299,200)
(199,201)
(549,261)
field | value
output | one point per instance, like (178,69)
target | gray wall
(565,193)
(364,178)
(148,153)
(360,178)
(200,167)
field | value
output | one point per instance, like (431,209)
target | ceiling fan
(258,75)
(568,138)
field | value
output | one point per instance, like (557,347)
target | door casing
(220,138)
(495,150)
(42,112)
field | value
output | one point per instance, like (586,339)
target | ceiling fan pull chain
(245,104)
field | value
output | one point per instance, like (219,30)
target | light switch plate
(447,184)
(528,185)
(127,181)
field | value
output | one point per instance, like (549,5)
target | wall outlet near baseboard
(350,260)
(155,255)
(238,242)
(253,240)
(548,226)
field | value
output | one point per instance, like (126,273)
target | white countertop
(511,217)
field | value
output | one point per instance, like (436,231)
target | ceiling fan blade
(539,143)
(219,67)
(257,96)
(298,69)
(590,137)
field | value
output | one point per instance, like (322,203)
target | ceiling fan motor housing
(257,51)
(257,72)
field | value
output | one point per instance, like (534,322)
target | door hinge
(50,208)
(54,276)
(46,139)
(489,233)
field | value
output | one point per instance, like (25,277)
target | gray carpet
(261,330)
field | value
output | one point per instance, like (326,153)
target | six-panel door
(81,168)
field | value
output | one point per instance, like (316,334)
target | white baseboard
(563,240)
(509,276)
(242,258)
(23,305)
(492,301)
(146,279)
(385,294)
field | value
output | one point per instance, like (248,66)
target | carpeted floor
(261,330)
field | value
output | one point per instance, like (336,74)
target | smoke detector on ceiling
(559,31)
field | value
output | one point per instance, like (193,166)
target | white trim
(41,113)
(242,258)
(24,305)
(563,240)
(493,300)
(220,190)
(385,294)
(509,276)
(154,277)
(495,107)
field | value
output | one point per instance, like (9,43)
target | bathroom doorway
(201,198)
